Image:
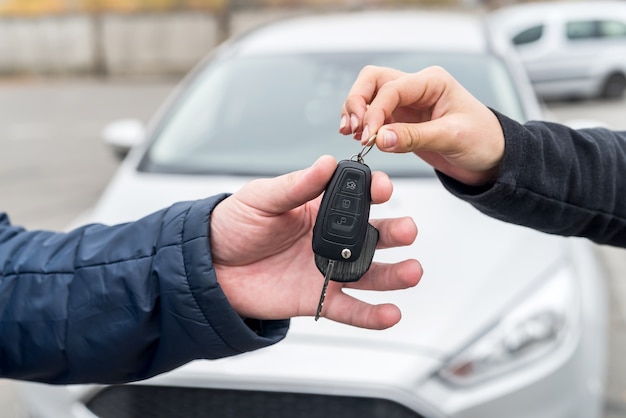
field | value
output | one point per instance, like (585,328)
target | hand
(261,247)
(430,114)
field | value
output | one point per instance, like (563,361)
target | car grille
(125,401)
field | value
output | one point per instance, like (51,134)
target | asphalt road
(53,167)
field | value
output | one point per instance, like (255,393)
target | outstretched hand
(262,254)
(428,113)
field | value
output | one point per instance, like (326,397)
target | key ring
(367,148)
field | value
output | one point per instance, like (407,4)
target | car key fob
(351,271)
(342,232)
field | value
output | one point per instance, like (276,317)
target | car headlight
(543,320)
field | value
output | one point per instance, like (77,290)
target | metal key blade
(329,273)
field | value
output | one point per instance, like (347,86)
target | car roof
(370,30)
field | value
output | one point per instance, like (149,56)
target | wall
(137,44)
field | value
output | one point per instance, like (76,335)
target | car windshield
(267,115)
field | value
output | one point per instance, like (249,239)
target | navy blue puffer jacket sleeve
(110,304)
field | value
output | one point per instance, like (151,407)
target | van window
(612,29)
(582,29)
(595,29)
(527,36)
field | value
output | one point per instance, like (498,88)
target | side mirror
(123,134)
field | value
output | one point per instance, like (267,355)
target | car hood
(475,267)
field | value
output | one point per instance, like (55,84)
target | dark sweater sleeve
(106,304)
(557,180)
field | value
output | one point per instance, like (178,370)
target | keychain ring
(367,148)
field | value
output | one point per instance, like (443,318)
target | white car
(506,322)
(570,49)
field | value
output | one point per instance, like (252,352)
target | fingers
(379,93)
(383,92)
(349,310)
(283,193)
(381,188)
(361,94)
(384,277)
(419,94)
(396,232)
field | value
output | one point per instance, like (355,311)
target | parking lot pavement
(53,167)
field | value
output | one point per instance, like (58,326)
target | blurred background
(68,67)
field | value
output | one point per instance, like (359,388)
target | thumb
(415,137)
(283,193)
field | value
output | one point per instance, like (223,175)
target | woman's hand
(428,113)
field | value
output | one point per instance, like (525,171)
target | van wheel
(614,86)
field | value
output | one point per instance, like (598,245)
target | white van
(570,49)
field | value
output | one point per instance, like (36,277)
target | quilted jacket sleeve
(557,180)
(117,303)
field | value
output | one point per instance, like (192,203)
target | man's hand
(262,254)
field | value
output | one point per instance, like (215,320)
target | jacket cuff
(234,331)
(486,195)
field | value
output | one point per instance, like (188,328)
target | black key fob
(341,228)
(343,215)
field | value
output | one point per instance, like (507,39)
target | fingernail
(354,123)
(365,136)
(390,139)
(344,122)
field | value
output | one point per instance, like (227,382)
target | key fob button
(341,224)
(346,203)
(352,182)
